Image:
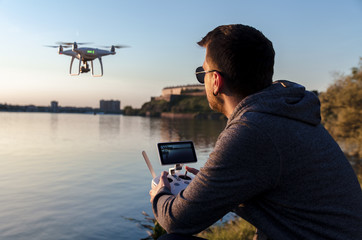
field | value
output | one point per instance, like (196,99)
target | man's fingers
(164,174)
(192,170)
(164,179)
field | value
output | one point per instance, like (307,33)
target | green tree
(194,104)
(128,110)
(341,110)
(154,107)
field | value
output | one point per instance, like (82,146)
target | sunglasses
(200,74)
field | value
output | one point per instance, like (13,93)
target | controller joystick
(184,177)
(178,182)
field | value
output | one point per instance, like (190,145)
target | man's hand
(192,170)
(163,183)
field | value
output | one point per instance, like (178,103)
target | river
(80,176)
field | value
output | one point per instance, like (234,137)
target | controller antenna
(149,164)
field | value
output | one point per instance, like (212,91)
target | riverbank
(212,116)
(184,107)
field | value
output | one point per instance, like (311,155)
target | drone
(85,55)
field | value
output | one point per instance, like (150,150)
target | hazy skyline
(312,39)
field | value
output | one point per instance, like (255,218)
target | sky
(313,39)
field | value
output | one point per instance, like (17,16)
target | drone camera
(84,69)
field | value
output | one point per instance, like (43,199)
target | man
(274,164)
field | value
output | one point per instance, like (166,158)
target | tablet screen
(176,152)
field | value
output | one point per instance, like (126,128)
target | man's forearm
(174,220)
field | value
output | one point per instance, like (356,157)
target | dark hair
(243,55)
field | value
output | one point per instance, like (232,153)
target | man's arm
(243,164)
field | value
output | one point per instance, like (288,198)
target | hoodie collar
(283,98)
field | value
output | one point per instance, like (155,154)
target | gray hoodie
(275,166)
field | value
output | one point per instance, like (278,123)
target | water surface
(79,176)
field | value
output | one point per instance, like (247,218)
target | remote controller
(177,180)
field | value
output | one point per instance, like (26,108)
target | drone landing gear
(100,75)
(85,67)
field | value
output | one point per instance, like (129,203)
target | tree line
(341,110)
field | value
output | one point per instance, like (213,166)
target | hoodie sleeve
(237,170)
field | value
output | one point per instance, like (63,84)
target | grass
(236,228)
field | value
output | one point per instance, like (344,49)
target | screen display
(176,152)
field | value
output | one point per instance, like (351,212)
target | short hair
(243,55)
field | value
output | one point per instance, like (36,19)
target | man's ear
(218,83)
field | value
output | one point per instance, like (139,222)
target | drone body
(85,55)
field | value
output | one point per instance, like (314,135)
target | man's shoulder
(249,122)
(242,132)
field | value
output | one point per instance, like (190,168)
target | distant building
(110,106)
(54,106)
(184,90)
(170,93)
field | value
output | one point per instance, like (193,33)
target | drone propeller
(54,46)
(71,43)
(115,46)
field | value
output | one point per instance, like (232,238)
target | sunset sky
(313,40)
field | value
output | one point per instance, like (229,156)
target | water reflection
(154,127)
(53,121)
(109,126)
(203,133)
(53,125)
